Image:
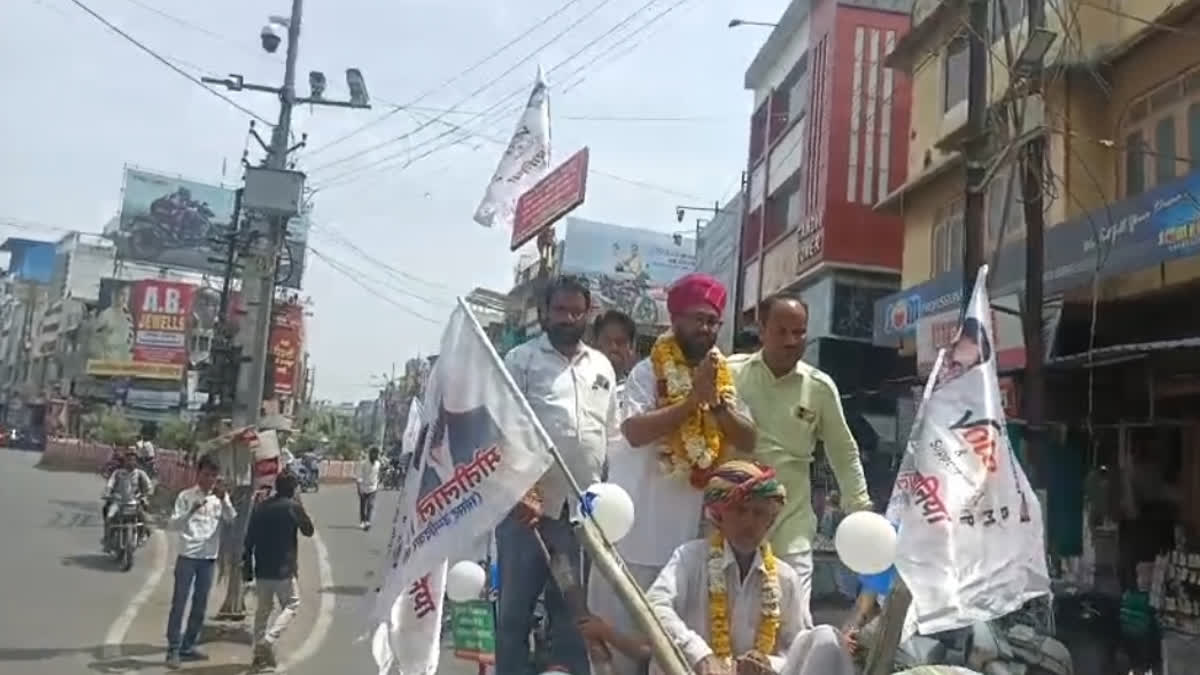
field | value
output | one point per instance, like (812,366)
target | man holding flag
(571,388)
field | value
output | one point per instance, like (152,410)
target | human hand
(753,664)
(219,490)
(529,510)
(711,665)
(704,380)
(595,629)
(849,639)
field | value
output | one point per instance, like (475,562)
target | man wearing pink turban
(655,407)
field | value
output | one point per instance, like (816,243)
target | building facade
(1120,112)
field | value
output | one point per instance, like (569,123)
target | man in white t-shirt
(367,479)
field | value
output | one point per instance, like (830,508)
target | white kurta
(679,598)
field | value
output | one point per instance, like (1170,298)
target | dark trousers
(366,506)
(194,577)
(523,576)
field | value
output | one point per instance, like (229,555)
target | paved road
(59,593)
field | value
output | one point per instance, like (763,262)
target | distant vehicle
(27,438)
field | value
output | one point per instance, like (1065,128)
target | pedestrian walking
(199,511)
(270,560)
(571,387)
(367,479)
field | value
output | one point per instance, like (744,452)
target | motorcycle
(171,226)
(392,477)
(308,478)
(125,532)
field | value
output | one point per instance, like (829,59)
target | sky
(658,98)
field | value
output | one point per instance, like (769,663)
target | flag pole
(667,655)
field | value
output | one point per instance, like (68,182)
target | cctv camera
(270,38)
(679,215)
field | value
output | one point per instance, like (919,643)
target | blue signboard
(1152,228)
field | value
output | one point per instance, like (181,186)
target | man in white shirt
(571,387)
(367,479)
(199,511)
(728,603)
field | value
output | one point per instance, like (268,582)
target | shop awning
(1119,353)
(1139,232)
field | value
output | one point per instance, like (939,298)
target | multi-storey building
(1120,112)
(828,139)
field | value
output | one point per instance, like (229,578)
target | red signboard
(285,345)
(161,310)
(551,198)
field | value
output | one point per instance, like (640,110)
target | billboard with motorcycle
(629,269)
(166,220)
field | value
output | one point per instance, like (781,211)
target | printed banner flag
(971,545)
(412,428)
(523,163)
(481,450)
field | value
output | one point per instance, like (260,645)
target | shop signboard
(286,347)
(141,330)
(473,627)
(551,198)
(628,269)
(1149,229)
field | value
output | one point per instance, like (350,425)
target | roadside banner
(971,544)
(481,450)
(523,163)
(412,428)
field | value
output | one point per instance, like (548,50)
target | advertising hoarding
(556,195)
(628,269)
(141,330)
(286,343)
(169,221)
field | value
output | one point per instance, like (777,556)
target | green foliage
(177,434)
(328,435)
(111,426)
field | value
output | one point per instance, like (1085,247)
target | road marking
(320,629)
(115,638)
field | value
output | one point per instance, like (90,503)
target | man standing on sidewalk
(367,479)
(270,555)
(198,513)
(795,405)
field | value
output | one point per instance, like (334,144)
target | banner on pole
(523,163)
(971,543)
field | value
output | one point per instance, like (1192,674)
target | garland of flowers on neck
(718,602)
(695,446)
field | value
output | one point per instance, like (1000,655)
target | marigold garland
(718,602)
(696,445)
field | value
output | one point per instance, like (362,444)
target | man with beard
(571,387)
(795,405)
(682,417)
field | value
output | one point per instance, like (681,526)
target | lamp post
(734,23)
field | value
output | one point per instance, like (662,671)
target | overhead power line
(167,62)
(357,278)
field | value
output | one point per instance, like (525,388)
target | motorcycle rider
(127,484)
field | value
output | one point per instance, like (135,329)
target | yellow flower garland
(696,445)
(718,602)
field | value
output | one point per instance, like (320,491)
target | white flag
(971,546)
(412,429)
(408,641)
(482,450)
(524,161)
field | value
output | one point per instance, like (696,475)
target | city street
(69,610)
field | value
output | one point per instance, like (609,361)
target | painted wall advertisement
(141,330)
(286,343)
(629,269)
(172,222)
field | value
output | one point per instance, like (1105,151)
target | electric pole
(976,146)
(1033,168)
(277,197)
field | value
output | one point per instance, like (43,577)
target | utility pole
(976,149)
(1033,167)
(976,146)
(258,282)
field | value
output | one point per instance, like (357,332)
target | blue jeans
(523,576)
(193,576)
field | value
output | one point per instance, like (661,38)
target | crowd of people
(715,451)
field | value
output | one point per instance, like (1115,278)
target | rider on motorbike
(127,484)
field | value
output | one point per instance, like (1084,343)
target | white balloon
(866,542)
(465,581)
(612,509)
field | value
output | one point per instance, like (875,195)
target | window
(954,80)
(1135,164)
(1164,150)
(948,238)
(1161,132)
(798,90)
(1194,135)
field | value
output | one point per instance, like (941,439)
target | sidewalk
(227,644)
